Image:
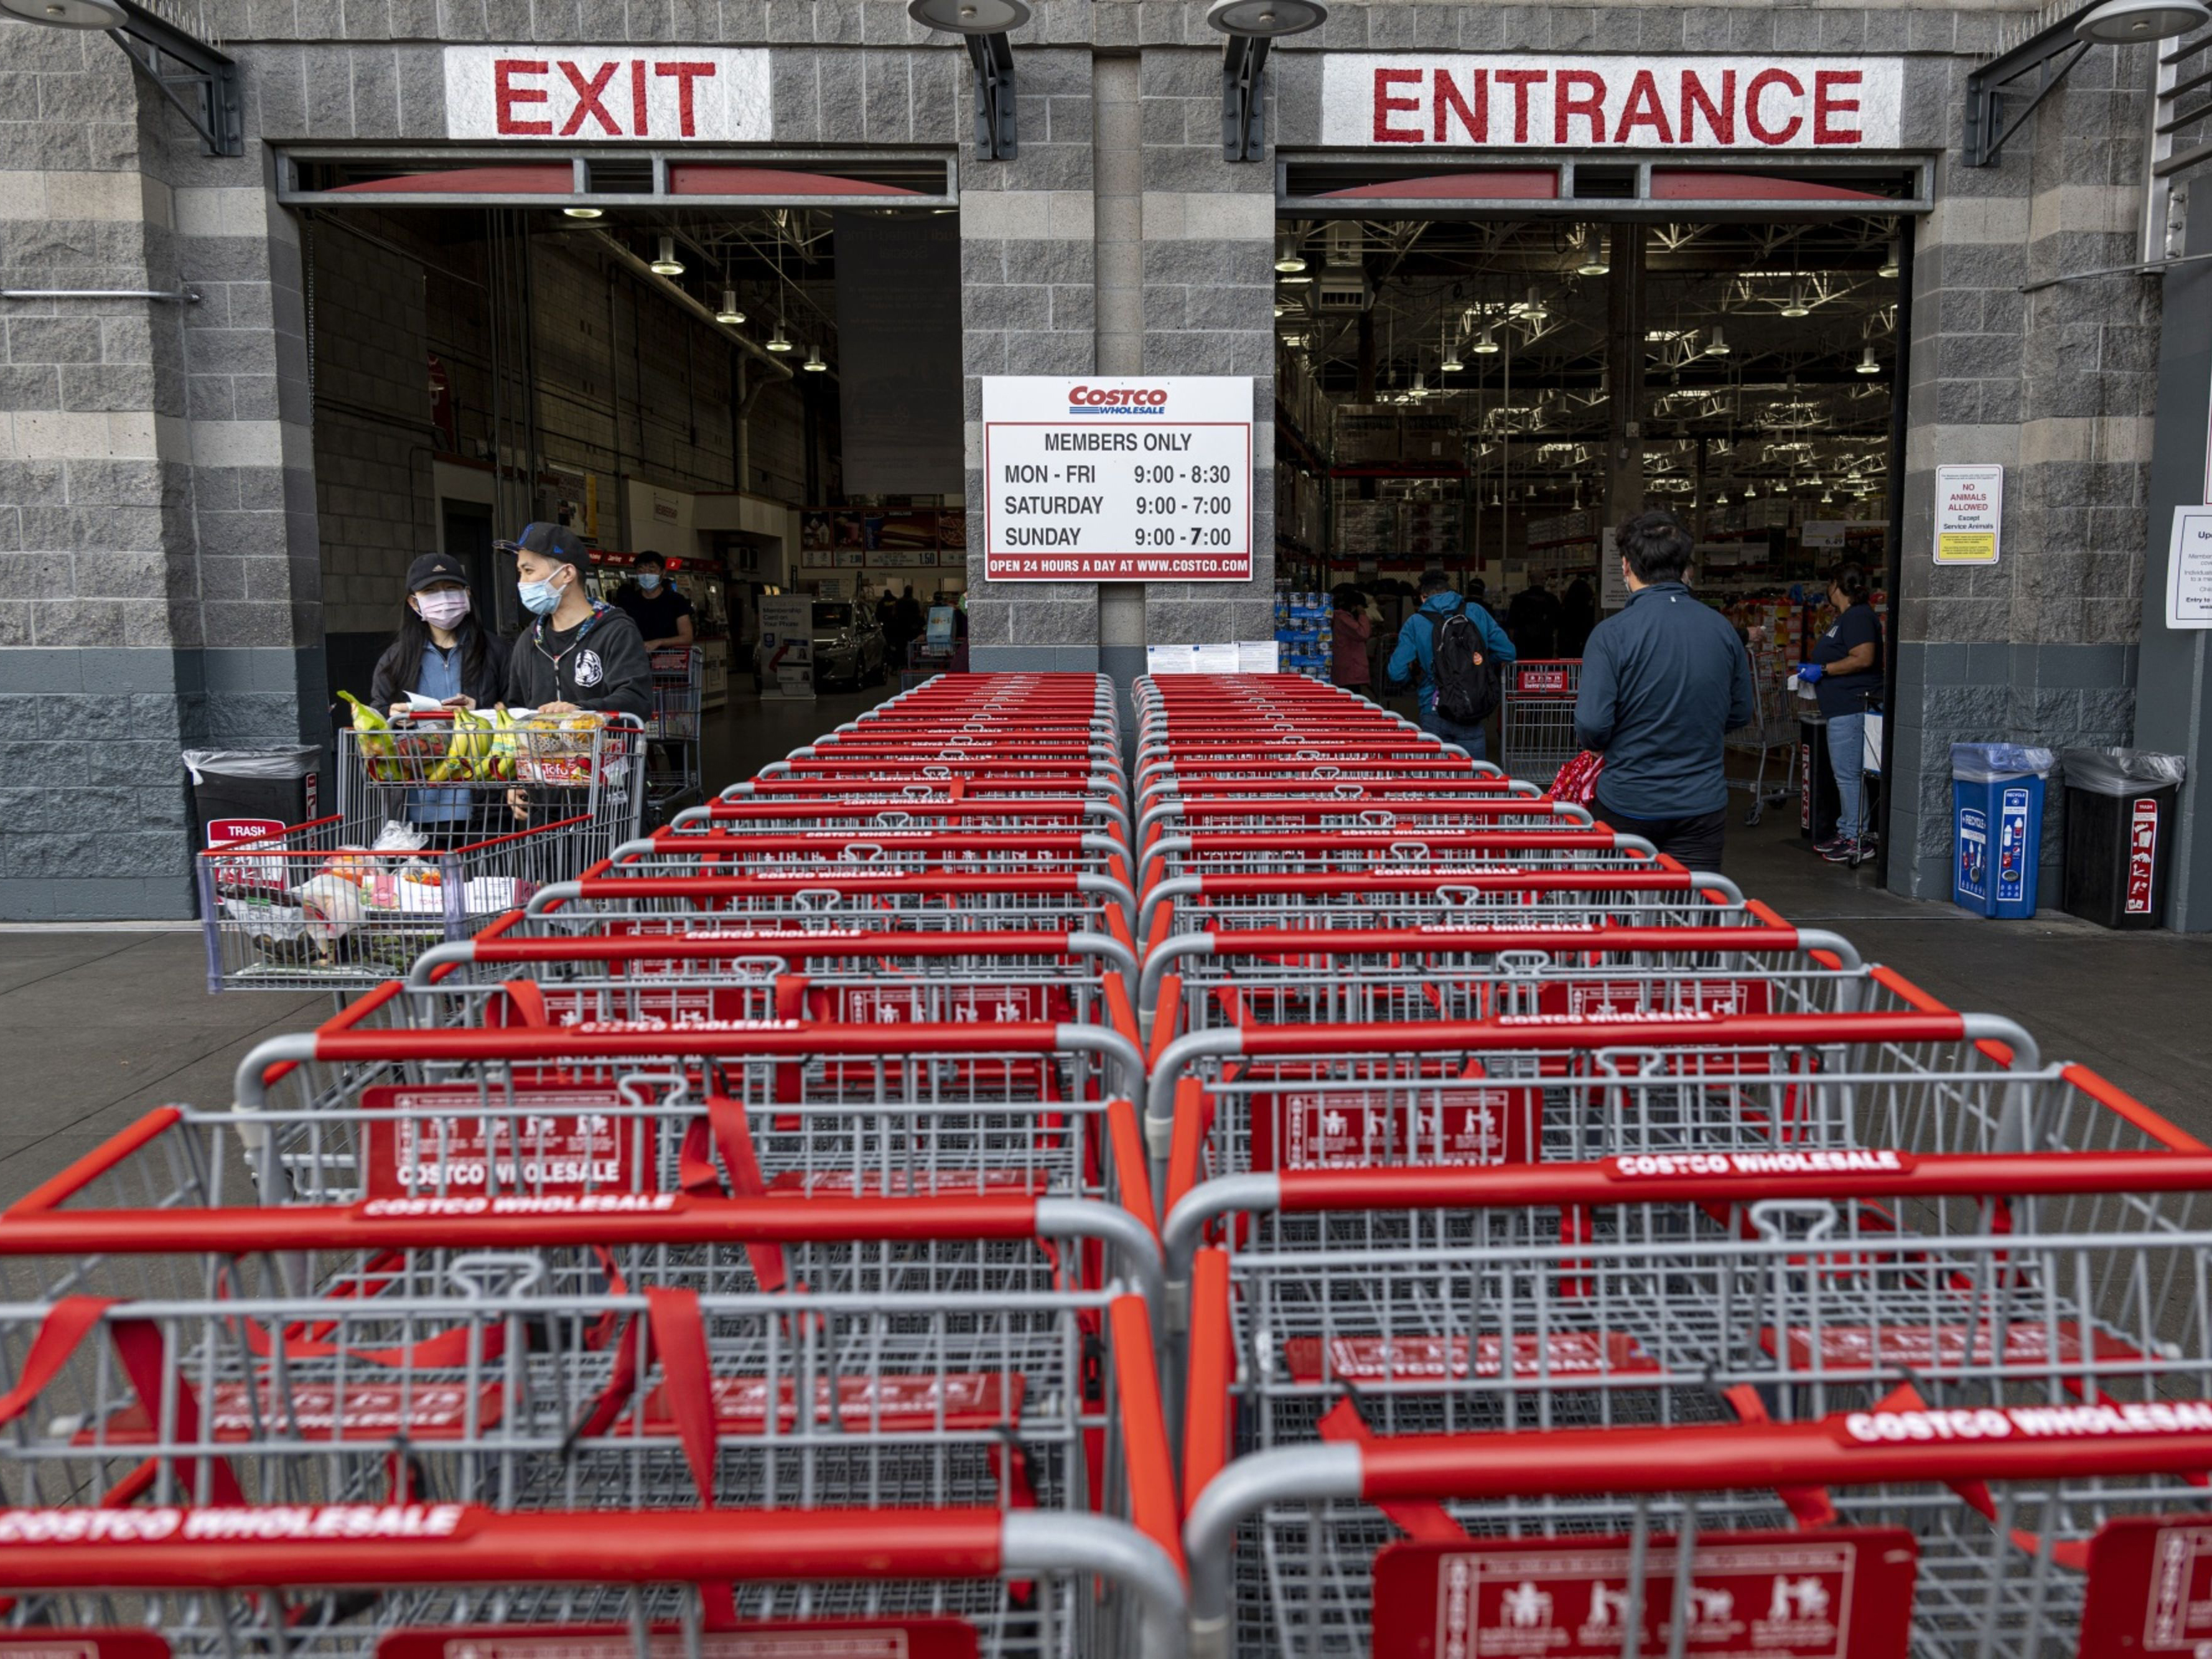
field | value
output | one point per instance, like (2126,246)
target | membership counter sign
(707,94)
(1105,479)
(1577,101)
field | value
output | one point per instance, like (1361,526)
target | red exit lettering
(596,98)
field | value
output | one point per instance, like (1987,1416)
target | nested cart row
(1313,1195)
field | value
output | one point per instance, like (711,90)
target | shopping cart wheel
(1751,818)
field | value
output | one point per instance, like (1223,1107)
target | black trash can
(2119,834)
(237,794)
(1819,803)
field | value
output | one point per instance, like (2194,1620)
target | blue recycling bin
(1996,826)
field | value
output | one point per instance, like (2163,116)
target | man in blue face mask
(650,600)
(576,652)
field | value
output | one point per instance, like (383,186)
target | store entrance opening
(750,371)
(1490,393)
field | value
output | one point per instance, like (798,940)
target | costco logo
(1121,399)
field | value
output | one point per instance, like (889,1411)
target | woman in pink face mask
(439,652)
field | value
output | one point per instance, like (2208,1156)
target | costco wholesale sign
(1561,101)
(707,93)
(1107,479)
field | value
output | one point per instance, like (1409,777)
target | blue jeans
(1469,737)
(1847,756)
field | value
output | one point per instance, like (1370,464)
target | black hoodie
(600,664)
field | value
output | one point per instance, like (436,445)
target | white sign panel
(712,95)
(1584,102)
(786,643)
(1969,515)
(2189,570)
(1110,479)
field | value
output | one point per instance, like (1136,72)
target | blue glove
(1808,673)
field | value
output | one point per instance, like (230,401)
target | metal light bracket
(2047,54)
(996,137)
(200,81)
(1244,98)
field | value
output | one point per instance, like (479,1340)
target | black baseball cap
(550,541)
(434,567)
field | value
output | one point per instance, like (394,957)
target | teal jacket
(1416,656)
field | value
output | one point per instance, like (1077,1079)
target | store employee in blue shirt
(1665,680)
(1845,675)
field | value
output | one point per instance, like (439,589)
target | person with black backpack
(1455,656)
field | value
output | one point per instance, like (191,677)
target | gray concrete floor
(101,1026)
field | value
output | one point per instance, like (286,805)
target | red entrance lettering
(1826,103)
(1589,104)
(506,95)
(1721,121)
(1643,110)
(1475,120)
(639,119)
(1520,81)
(587,99)
(1753,118)
(683,75)
(1385,104)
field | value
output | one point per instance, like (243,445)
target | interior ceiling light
(1486,344)
(1533,308)
(779,341)
(970,16)
(1795,306)
(1718,345)
(1451,364)
(1720,498)
(668,265)
(1288,260)
(1266,19)
(1866,364)
(2117,22)
(1748,491)
(1280,308)
(1827,497)
(814,365)
(729,312)
(585,212)
(1296,281)
(1593,262)
(1892,260)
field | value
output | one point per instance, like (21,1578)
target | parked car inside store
(849,648)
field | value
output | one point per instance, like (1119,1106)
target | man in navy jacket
(1664,679)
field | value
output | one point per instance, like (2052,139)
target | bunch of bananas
(379,747)
(469,756)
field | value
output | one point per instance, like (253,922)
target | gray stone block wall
(158,492)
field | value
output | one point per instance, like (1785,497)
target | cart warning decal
(829,1639)
(974,1399)
(83,1642)
(2150,1588)
(1662,998)
(454,1141)
(1841,1161)
(1886,1348)
(318,1411)
(1843,1595)
(1336,1128)
(287,1523)
(1365,1359)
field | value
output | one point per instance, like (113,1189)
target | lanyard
(538,638)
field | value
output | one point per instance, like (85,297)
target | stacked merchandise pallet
(949,1196)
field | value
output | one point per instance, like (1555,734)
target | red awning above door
(722,178)
(1685,184)
(1497,185)
(524,178)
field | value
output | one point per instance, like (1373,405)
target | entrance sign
(1969,513)
(2189,570)
(1110,479)
(712,95)
(1561,100)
